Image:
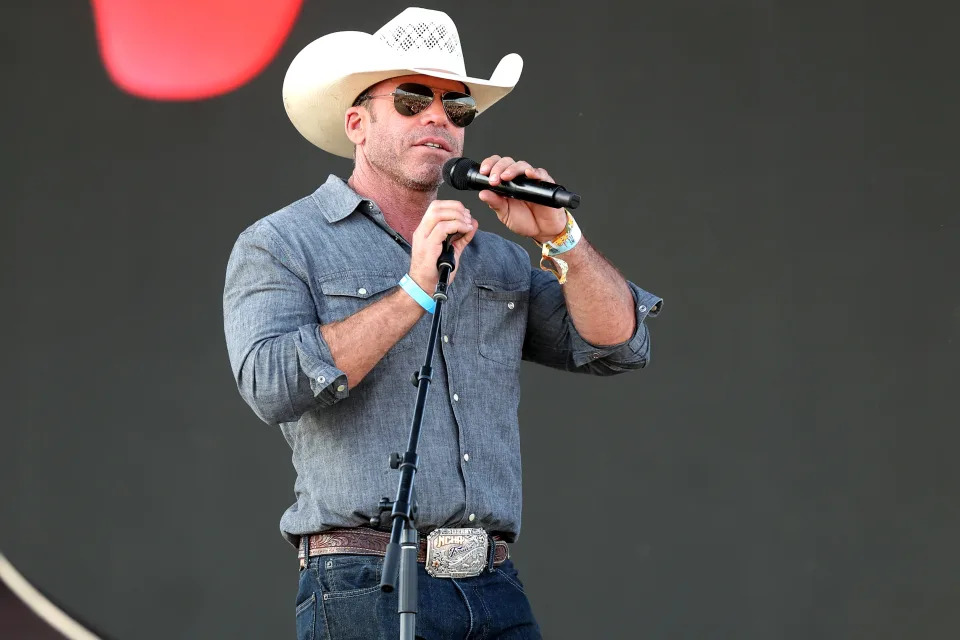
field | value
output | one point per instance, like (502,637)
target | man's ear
(355,123)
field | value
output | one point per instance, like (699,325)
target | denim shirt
(326,257)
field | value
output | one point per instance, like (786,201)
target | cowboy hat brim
(329,73)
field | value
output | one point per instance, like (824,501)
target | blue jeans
(340,599)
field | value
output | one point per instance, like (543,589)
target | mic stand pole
(402,550)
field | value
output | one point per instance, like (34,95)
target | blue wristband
(418,294)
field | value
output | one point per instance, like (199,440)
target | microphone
(464,174)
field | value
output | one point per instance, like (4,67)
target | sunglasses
(410,98)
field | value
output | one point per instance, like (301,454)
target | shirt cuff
(329,384)
(629,351)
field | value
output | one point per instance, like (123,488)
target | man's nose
(434,114)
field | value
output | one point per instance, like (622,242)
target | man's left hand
(535,221)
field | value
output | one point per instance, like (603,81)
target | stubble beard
(425,178)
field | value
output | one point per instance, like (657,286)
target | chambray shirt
(326,257)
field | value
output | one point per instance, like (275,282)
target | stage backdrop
(782,173)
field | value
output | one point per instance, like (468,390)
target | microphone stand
(401,556)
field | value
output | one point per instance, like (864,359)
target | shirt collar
(336,200)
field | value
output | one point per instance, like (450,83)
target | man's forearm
(358,342)
(597,297)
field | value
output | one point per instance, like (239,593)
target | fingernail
(493,177)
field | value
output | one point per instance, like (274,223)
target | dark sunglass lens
(411,98)
(460,108)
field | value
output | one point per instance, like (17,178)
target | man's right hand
(442,218)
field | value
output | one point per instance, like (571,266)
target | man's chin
(425,180)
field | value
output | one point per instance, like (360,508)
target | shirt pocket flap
(496,290)
(357,284)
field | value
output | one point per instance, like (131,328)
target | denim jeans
(340,599)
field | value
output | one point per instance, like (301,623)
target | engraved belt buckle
(456,553)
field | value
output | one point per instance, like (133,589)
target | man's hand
(442,218)
(523,218)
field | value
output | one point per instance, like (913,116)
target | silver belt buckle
(456,553)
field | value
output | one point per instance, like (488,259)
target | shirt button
(643,308)
(362,291)
(466,457)
(321,379)
(446,338)
(341,388)
(510,305)
(472,517)
(456,398)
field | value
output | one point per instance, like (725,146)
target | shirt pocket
(346,292)
(502,317)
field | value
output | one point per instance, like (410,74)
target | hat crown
(424,38)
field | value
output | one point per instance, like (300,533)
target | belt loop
(305,545)
(491,554)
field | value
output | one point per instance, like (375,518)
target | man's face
(396,144)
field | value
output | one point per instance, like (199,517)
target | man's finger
(540,174)
(515,170)
(487,164)
(447,228)
(461,243)
(493,200)
(445,204)
(430,221)
(498,168)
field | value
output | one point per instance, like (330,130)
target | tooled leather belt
(363,541)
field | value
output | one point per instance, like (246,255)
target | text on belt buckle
(456,553)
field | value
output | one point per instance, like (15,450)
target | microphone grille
(455,172)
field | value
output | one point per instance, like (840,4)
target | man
(327,313)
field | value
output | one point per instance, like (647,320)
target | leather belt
(371,542)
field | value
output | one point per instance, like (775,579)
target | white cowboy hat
(329,73)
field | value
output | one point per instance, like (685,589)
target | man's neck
(402,207)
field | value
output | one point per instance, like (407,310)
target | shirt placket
(456,355)
(447,346)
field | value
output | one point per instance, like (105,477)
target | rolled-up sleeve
(553,340)
(280,361)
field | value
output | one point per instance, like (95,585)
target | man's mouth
(434,142)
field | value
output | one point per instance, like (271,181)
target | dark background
(782,173)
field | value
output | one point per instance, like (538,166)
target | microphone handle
(535,191)
(447,255)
